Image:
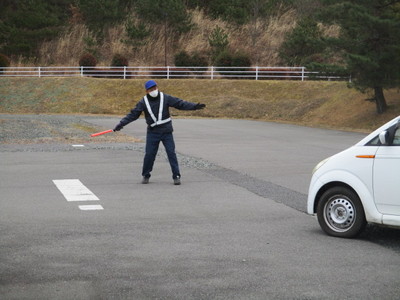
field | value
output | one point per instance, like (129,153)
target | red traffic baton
(100,133)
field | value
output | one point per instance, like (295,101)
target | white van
(359,185)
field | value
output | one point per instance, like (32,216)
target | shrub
(224,59)
(302,44)
(4,62)
(218,41)
(183,59)
(137,35)
(88,60)
(199,60)
(241,60)
(119,60)
(227,59)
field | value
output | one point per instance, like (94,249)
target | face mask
(154,93)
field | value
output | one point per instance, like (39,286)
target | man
(155,106)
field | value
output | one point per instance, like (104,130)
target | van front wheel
(340,213)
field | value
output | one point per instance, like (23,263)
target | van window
(374,142)
(396,139)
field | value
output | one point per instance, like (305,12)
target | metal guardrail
(251,73)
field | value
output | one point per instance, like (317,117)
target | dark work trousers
(153,140)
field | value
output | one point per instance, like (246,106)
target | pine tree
(369,41)
(25,24)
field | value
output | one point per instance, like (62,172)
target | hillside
(76,39)
(309,103)
(146,32)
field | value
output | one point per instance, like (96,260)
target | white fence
(251,73)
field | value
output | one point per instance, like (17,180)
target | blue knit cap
(149,84)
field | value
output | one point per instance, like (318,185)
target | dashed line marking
(74,190)
(91,207)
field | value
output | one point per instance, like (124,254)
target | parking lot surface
(235,229)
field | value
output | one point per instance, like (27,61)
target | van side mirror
(383,137)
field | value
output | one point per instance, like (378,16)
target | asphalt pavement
(235,229)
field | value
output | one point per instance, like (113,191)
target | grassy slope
(311,103)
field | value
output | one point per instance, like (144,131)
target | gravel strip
(45,129)
(50,133)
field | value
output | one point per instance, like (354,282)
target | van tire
(340,213)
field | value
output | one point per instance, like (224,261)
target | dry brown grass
(260,40)
(67,49)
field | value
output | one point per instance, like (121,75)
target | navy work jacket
(169,101)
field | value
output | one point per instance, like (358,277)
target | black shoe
(145,180)
(177,181)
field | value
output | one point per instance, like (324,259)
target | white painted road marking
(74,190)
(91,207)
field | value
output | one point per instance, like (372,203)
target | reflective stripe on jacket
(168,101)
(158,121)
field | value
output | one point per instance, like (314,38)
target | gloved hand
(199,106)
(118,127)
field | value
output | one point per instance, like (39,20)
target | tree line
(26,23)
(366,45)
